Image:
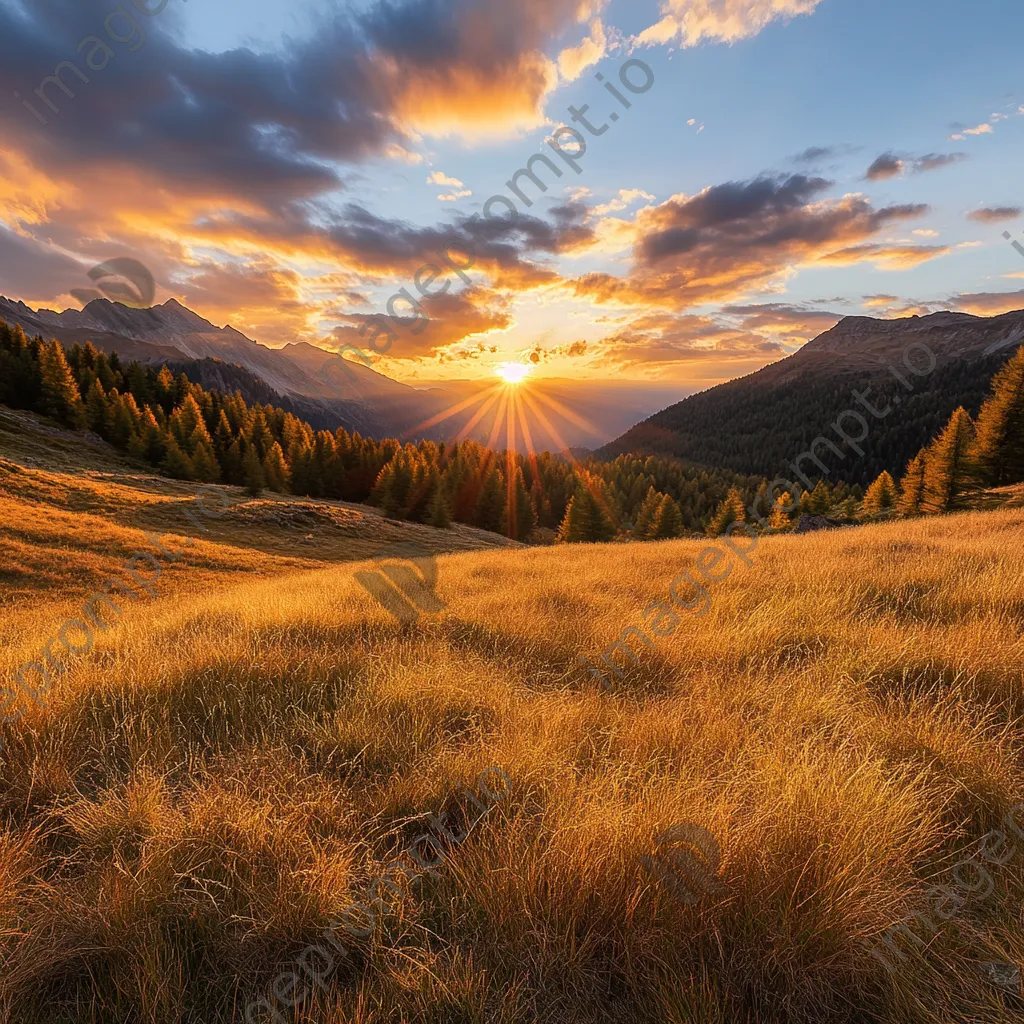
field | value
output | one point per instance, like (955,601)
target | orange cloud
(724,20)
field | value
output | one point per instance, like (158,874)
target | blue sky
(272,166)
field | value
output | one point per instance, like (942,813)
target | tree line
(192,433)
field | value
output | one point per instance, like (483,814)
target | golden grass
(218,778)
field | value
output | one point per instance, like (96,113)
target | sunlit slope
(73,512)
(215,781)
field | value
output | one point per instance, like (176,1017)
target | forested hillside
(760,423)
(193,433)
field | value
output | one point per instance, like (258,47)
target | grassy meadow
(238,757)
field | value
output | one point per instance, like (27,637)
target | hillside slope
(758,424)
(230,768)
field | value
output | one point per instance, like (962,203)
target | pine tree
(96,412)
(601,524)
(204,464)
(275,469)
(186,424)
(576,527)
(669,521)
(439,513)
(252,471)
(59,399)
(644,526)
(490,505)
(730,511)
(176,463)
(780,520)
(912,487)
(821,499)
(122,422)
(949,473)
(519,519)
(999,440)
(880,498)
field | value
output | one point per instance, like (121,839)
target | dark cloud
(451,318)
(787,322)
(988,303)
(936,161)
(241,128)
(888,165)
(739,236)
(815,154)
(995,214)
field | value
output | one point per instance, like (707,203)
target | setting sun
(513,373)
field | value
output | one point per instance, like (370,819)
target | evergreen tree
(520,520)
(912,487)
(732,510)
(999,439)
(252,472)
(176,463)
(204,464)
(232,464)
(644,526)
(821,499)
(576,527)
(275,469)
(780,520)
(669,521)
(96,412)
(949,473)
(490,505)
(439,513)
(880,498)
(59,399)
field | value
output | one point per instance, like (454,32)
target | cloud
(738,237)
(981,129)
(886,256)
(793,324)
(936,161)
(886,166)
(815,154)
(988,303)
(571,350)
(995,214)
(889,165)
(626,197)
(437,178)
(454,318)
(724,20)
(706,349)
(573,61)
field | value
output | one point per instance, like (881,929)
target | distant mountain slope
(758,424)
(317,386)
(172,330)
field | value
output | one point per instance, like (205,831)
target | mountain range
(760,423)
(313,382)
(754,425)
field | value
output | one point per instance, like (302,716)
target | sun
(513,373)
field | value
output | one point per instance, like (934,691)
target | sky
(289,169)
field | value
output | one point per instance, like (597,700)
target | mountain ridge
(758,423)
